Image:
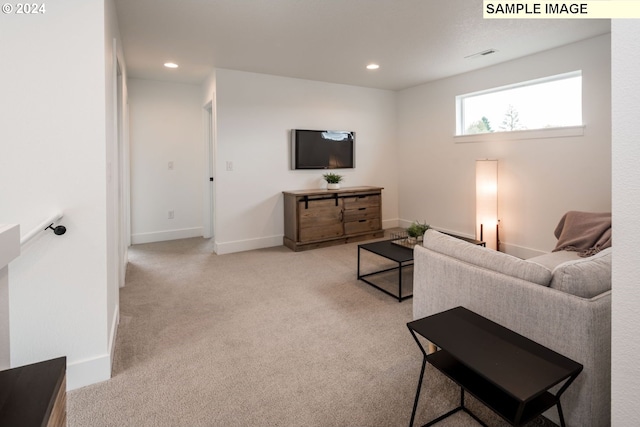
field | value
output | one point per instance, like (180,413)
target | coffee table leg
(399,282)
(358,262)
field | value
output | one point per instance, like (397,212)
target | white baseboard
(97,369)
(403,223)
(390,223)
(222,248)
(89,371)
(123,273)
(114,332)
(161,236)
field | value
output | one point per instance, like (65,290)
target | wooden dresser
(318,218)
(34,395)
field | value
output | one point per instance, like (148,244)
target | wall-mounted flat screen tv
(322,149)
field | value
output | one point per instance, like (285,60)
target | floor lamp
(487,202)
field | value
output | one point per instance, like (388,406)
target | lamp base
(490,239)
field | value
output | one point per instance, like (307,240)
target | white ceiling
(414,41)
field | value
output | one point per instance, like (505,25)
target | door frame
(208,219)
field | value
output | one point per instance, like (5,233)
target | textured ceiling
(414,41)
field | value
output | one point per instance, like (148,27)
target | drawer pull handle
(362,209)
(363,220)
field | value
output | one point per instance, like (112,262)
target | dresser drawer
(362,226)
(363,201)
(370,212)
(328,231)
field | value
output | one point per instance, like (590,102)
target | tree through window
(551,102)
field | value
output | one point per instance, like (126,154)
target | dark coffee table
(507,372)
(402,255)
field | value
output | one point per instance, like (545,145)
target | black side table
(34,395)
(509,373)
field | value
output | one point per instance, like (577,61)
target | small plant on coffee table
(417,229)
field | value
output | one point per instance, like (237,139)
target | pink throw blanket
(585,232)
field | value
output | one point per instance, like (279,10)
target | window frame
(549,132)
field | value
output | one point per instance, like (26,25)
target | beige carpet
(261,338)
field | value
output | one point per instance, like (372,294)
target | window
(552,102)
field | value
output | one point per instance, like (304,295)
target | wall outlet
(229,166)
(170,166)
(170,214)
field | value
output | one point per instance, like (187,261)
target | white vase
(333,186)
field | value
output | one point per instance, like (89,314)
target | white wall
(117,168)
(52,128)
(626,230)
(9,250)
(5,319)
(539,179)
(166,126)
(255,114)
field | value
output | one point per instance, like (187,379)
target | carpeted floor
(262,338)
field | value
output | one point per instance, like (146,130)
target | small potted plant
(416,231)
(333,180)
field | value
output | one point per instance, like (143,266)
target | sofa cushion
(486,258)
(584,277)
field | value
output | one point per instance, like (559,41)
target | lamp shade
(487,202)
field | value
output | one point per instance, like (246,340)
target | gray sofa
(557,299)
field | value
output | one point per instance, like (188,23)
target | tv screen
(322,149)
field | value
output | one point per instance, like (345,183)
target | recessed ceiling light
(170,65)
(373,67)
